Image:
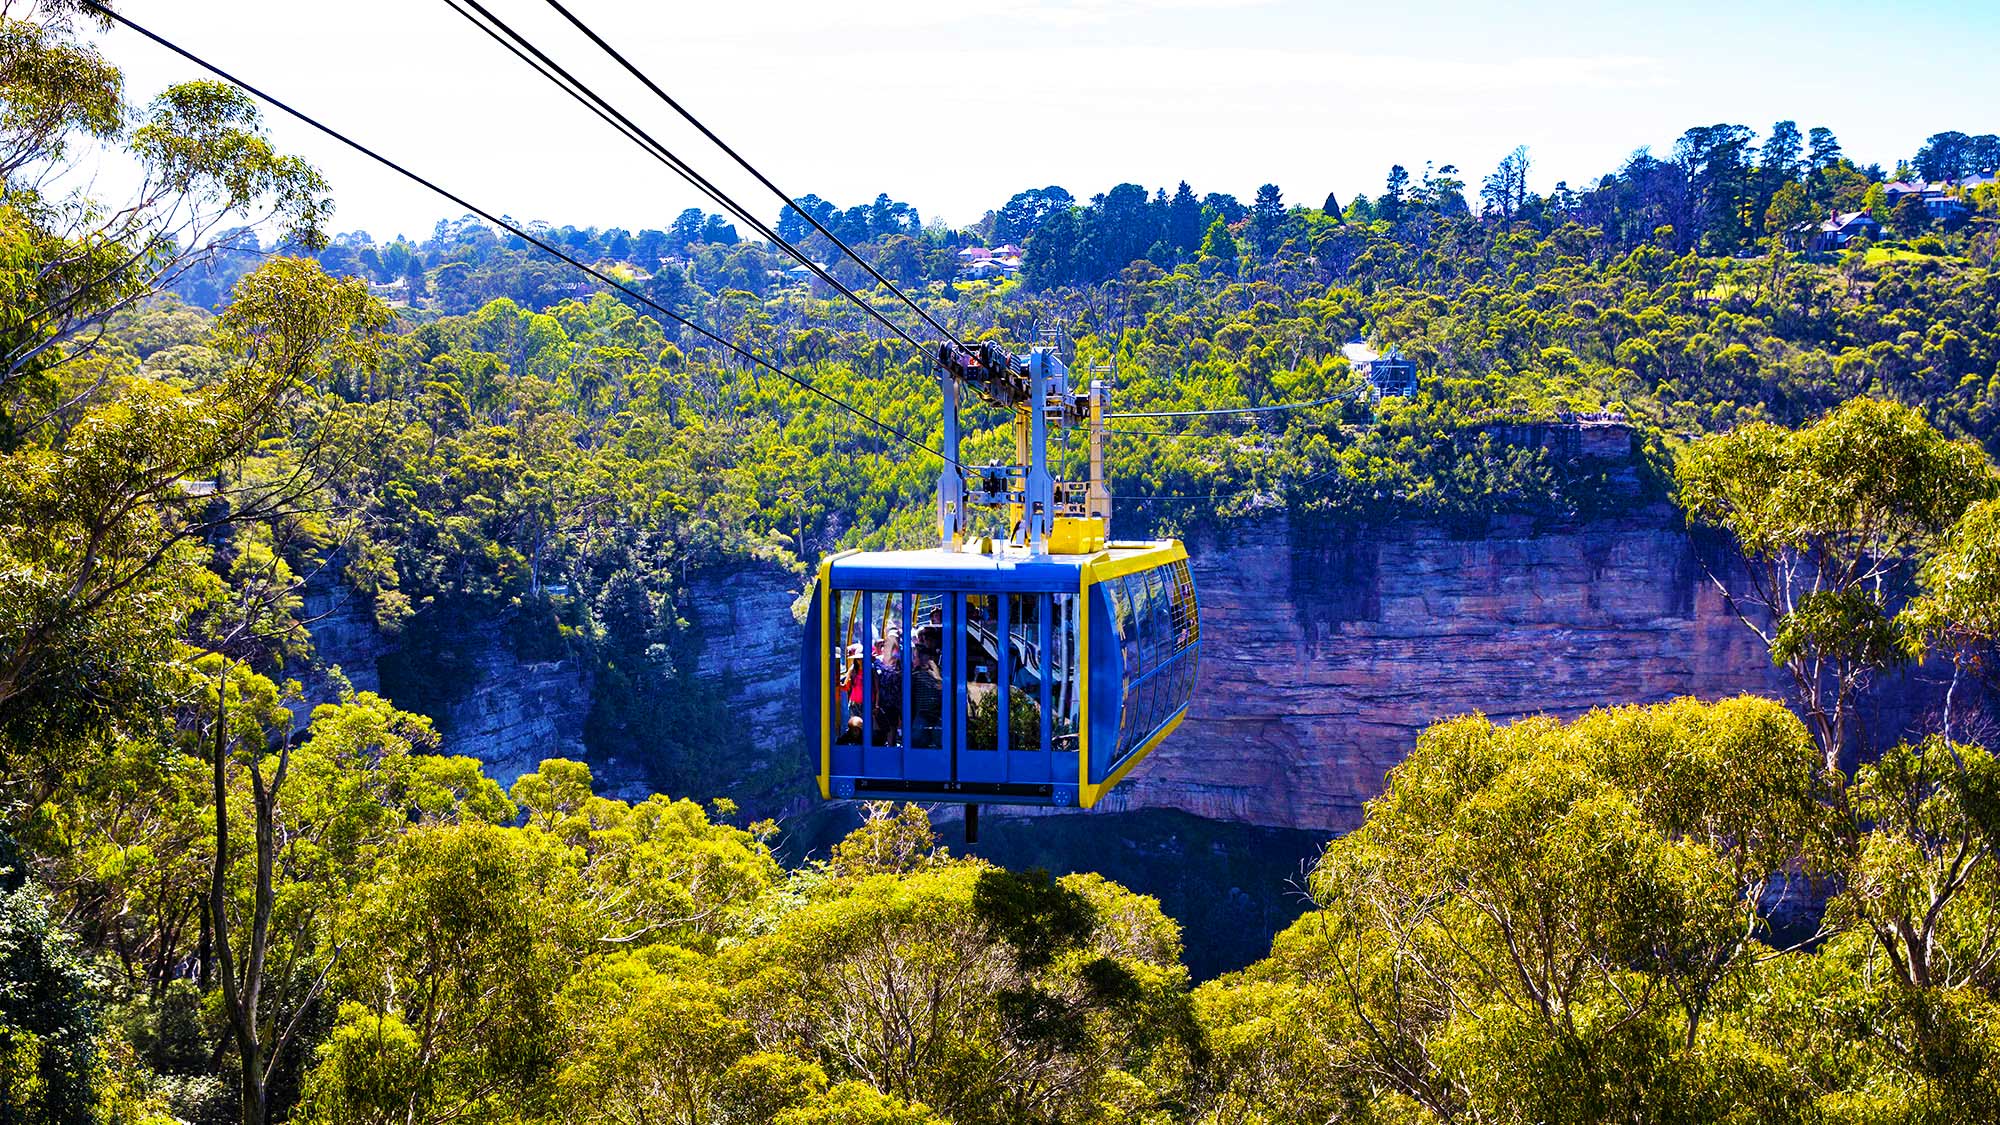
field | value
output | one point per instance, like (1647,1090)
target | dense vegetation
(562,463)
(219,903)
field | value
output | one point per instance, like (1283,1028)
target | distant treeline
(1721,190)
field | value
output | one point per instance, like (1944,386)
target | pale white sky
(953,105)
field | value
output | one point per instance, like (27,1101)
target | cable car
(1038,669)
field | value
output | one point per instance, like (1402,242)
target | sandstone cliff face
(749,660)
(344,636)
(1325,652)
(512,716)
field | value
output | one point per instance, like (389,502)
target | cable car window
(1065,684)
(844,656)
(1183,605)
(1135,717)
(927,675)
(982,672)
(1121,614)
(1193,605)
(1150,716)
(1162,636)
(1024,671)
(1135,623)
(1121,607)
(888,625)
(1135,727)
(1159,626)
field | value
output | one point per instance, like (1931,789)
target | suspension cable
(613,282)
(1341,397)
(521,48)
(515,229)
(1230,495)
(691,119)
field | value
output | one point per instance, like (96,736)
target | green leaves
(51,88)
(1831,517)
(1846,625)
(104,536)
(1545,921)
(1867,481)
(1563,922)
(204,140)
(1961,580)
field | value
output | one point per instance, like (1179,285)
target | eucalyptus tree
(1831,517)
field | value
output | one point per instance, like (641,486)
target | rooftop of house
(1360,354)
(1930,188)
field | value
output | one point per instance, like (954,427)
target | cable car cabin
(909,655)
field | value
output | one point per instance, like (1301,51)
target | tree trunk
(239,998)
(1949,691)
(254,1107)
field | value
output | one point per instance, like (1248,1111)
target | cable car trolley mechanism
(1034,669)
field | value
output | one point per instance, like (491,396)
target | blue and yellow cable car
(1035,670)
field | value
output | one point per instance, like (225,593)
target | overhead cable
(1341,397)
(515,229)
(691,119)
(1230,495)
(521,48)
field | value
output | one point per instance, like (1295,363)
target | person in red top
(850,696)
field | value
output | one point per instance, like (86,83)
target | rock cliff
(749,660)
(511,715)
(1326,650)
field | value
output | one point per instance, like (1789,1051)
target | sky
(954,105)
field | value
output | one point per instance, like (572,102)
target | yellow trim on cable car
(1105,565)
(1093,792)
(1076,535)
(1086,578)
(826,673)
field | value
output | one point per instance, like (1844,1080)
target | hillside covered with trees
(219,904)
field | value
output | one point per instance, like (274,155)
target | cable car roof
(935,569)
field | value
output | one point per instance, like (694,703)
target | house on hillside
(1938,197)
(1838,229)
(1389,373)
(976,263)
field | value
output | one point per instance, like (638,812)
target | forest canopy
(233,887)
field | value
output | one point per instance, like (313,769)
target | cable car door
(981,688)
(930,751)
